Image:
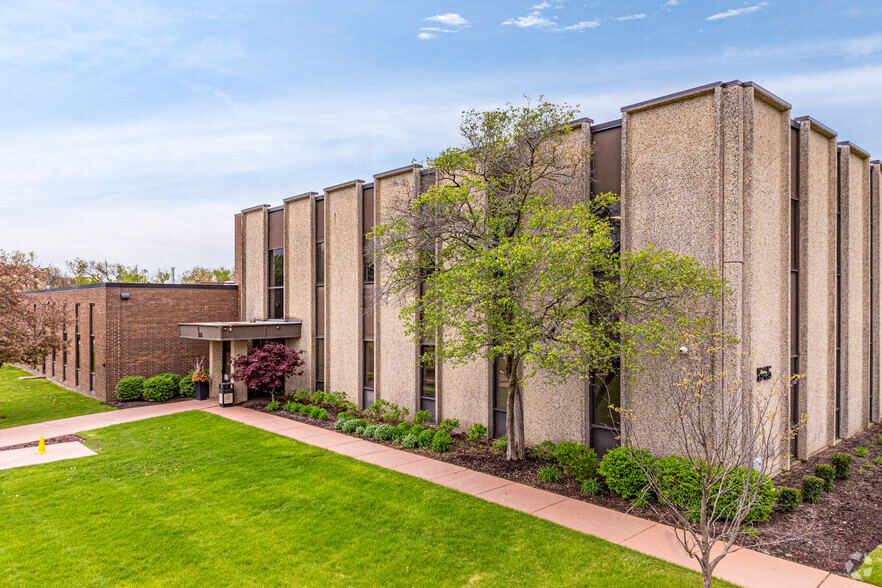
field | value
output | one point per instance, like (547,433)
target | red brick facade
(134,336)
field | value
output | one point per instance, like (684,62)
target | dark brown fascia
(817,126)
(768,97)
(367,186)
(300,196)
(876,162)
(396,171)
(606,125)
(253,208)
(276,208)
(343,185)
(580,122)
(135,286)
(863,154)
(672,97)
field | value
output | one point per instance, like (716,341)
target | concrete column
(253,289)
(300,280)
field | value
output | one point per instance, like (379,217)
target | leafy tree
(28,331)
(95,272)
(204,275)
(266,367)
(519,262)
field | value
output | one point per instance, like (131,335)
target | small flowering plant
(200,374)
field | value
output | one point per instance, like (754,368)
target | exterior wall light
(125,295)
(225,394)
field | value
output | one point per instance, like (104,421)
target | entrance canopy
(240,331)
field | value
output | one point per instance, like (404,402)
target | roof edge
(862,153)
(343,185)
(299,196)
(253,208)
(681,95)
(397,170)
(817,126)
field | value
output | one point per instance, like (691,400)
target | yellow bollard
(42,446)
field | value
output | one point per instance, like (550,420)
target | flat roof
(135,286)
(240,330)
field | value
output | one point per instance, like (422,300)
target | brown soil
(50,441)
(844,521)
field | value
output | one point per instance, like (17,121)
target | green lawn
(193,499)
(871,571)
(23,402)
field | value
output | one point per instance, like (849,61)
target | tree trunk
(514,417)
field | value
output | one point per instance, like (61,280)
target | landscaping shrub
(501,443)
(788,499)
(861,452)
(477,431)
(359,430)
(417,429)
(369,430)
(187,386)
(320,414)
(735,483)
(812,486)
(161,388)
(622,475)
(273,406)
(575,459)
(388,411)
(591,486)
(680,484)
(291,406)
(410,441)
(350,425)
(449,425)
(842,465)
(301,396)
(441,441)
(130,389)
(426,438)
(317,397)
(544,450)
(384,432)
(549,474)
(422,416)
(826,472)
(341,420)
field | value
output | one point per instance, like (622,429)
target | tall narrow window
(226,360)
(499,386)
(839,242)
(320,293)
(794,290)
(77,344)
(54,354)
(276,281)
(91,347)
(606,391)
(64,351)
(428,383)
(368,395)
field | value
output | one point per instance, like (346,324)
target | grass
(194,499)
(23,402)
(871,571)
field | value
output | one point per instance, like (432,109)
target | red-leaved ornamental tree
(29,331)
(266,367)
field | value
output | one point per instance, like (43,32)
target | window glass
(605,390)
(500,400)
(276,268)
(319,263)
(319,362)
(368,364)
(276,303)
(427,372)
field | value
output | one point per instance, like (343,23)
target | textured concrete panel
(554,412)
(466,393)
(253,289)
(343,283)
(396,353)
(817,194)
(300,282)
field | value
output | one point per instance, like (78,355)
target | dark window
(428,382)
(500,396)
(839,241)
(369,364)
(606,391)
(77,344)
(226,358)
(319,264)
(320,364)
(276,280)
(64,352)
(91,347)
(794,311)
(368,263)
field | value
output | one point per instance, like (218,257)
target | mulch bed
(50,441)
(136,403)
(826,534)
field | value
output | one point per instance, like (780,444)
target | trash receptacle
(225,394)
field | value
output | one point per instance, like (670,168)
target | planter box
(201,390)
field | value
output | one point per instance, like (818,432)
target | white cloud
(438,30)
(451,19)
(534,19)
(671,3)
(542,6)
(426,36)
(581,26)
(737,11)
(632,16)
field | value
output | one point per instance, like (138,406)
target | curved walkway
(745,567)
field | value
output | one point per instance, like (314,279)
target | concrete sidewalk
(17,458)
(98,420)
(745,567)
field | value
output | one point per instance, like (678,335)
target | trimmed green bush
(426,438)
(861,452)
(320,414)
(292,406)
(827,473)
(341,420)
(359,430)
(735,482)
(441,441)
(548,474)
(575,459)
(417,429)
(842,465)
(477,431)
(369,430)
(317,397)
(273,406)
(680,484)
(130,389)
(161,388)
(449,425)
(384,432)
(350,425)
(544,450)
(187,386)
(410,441)
(812,486)
(622,474)
(788,499)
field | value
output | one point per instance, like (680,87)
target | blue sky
(134,131)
